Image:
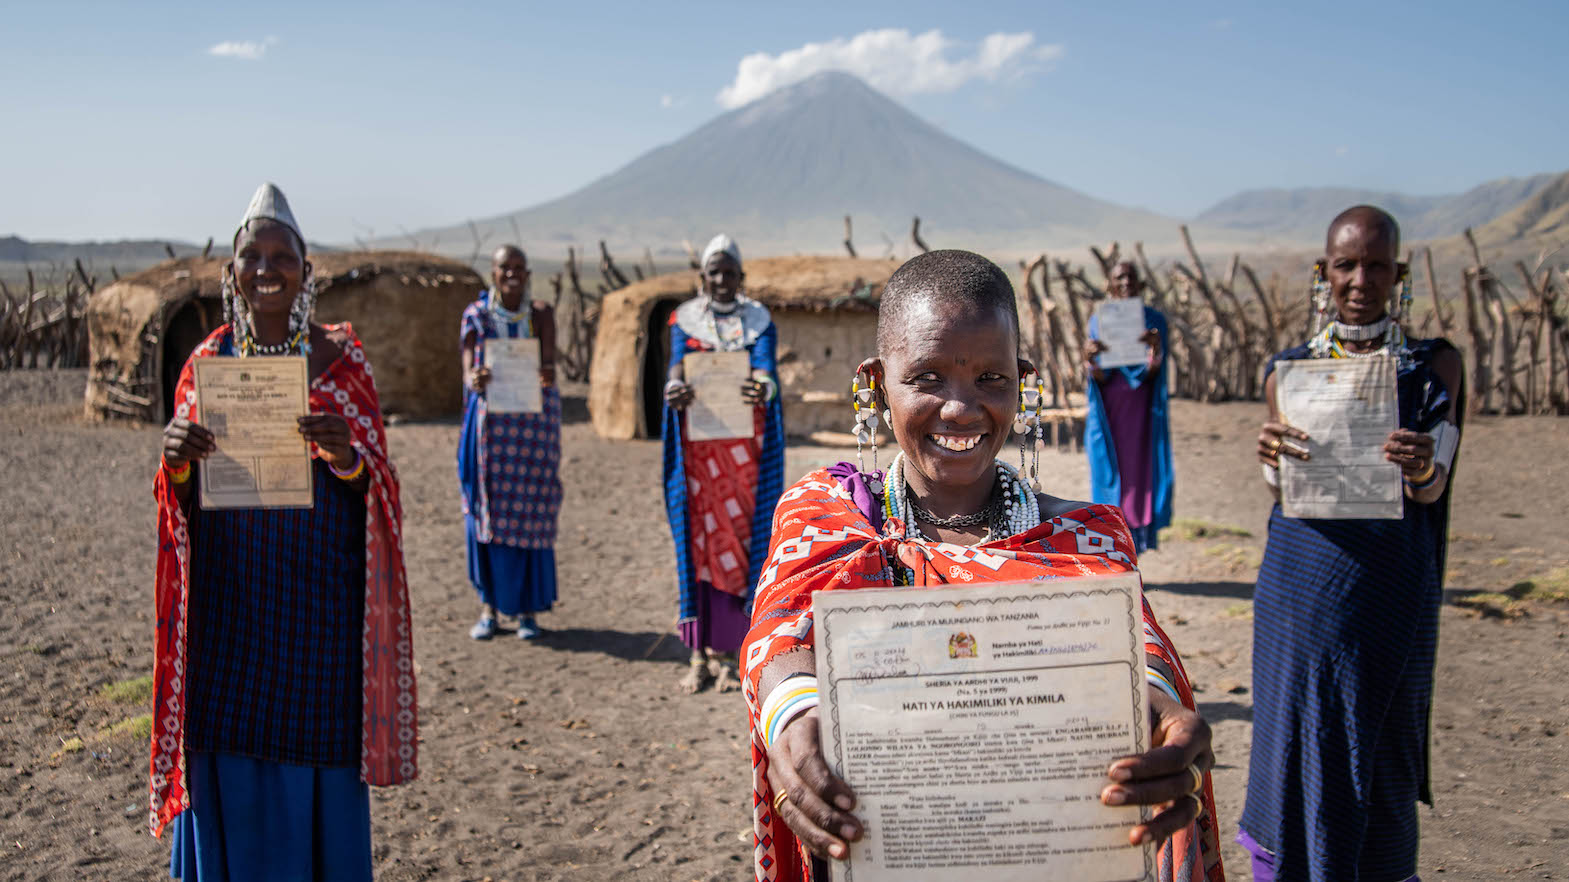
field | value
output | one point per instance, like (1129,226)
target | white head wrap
(720,244)
(270,204)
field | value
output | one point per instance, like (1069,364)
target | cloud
(1342,151)
(669,102)
(245,50)
(895,61)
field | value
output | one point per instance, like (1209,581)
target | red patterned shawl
(822,542)
(389,746)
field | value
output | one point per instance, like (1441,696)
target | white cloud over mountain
(894,61)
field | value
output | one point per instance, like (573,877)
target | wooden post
(1080,337)
(1481,400)
(1271,332)
(848,245)
(1533,403)
(915,234)
(1446,322)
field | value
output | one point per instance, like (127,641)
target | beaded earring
(1032,392)
(1321,299)
(1402,305)
(864,401)
(300,314)
(236,314)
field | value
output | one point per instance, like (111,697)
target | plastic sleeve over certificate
(976,725)
(1120,324)
(1348,407)
(252,407)
(514,385)
(717,410)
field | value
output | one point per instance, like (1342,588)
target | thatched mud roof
(404,306)
(812,284)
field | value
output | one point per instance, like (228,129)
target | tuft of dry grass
(140,726)
(137,690)
(1189,529)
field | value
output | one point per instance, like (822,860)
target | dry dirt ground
(573,757)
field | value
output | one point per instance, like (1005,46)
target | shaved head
(962,280)
(1368,218)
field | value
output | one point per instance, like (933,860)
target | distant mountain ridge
(779,174)
(1302,214)
(15,249)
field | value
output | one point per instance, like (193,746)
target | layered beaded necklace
(737,340)
(1012,509)
(499,313)
(1330,342)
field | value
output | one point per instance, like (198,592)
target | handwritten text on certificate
(252,407)
(976,725)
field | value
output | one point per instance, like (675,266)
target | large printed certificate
(1120,324)
(976,724)
(252,407)
(1348,407)
(514,385)
(717,410)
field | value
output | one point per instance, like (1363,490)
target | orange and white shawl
(390,742)
(823,542)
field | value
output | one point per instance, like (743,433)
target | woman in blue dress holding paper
(1127,429)
(1345,619)
(508,463)
(720,492)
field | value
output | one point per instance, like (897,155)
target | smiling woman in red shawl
(284,674)
(947,379)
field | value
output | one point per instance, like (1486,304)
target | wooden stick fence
(1224,328)
(45,326)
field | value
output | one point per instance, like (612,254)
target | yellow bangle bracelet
(352,474)
(179,475)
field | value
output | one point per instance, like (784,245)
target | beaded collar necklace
(717,309)
(1013,509)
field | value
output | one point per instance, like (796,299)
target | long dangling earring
(864,400)
(1021,422)
(1321,300)
(300,314)
(1403,303)
(1039,394)
(237,314)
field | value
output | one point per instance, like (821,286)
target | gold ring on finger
(1198,803)
(1198,779)
(779,800)
(1274,444)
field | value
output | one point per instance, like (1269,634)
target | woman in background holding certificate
(1345,619)
(284,679)
(947,378)
(509,456)
(720,486)
(1127,429)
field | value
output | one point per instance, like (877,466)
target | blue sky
(122,121)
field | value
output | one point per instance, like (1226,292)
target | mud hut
(826,311)
(405,307)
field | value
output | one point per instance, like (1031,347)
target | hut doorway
(186,330)
(656,361)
